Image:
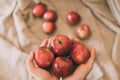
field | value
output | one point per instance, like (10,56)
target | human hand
(37,72)
(82,70)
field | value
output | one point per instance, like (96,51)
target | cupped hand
(37,72)
(84,69)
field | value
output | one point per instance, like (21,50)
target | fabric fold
(115,9)
(24,34)
(21,32)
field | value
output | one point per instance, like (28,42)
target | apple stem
(59,41)
(60,78)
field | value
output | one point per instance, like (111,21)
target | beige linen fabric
(21,32)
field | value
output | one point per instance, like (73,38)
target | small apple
(43,57)
(50,15)
(73,17)
(83,31)
(61,44)
(48,27)
(79,53)
(39,9)
(62,66)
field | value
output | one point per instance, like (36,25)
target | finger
(44,43)
(53,75)
(74,40)
(31,57)
(92,57)
(30,62)
(49,42)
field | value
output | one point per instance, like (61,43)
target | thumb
(91,60)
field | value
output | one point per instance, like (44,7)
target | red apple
(61,44)
(79,53)
(73,18)
(83,31)
(50,15)
(44,57)
(62,66)
(48,27)
(39,10)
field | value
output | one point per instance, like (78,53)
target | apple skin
(79,53)
(48,27)
(73,18)
(39,9)
(83,31)
(62,66)
(50,15)
(44,57)
(60,44)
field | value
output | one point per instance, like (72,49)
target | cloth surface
(21,32)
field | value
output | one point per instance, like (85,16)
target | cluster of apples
(50,16)
(62,55)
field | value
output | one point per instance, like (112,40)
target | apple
(44,57)
(62,66)
(50,15)
(73,17)
(79,53)
(39,9)
(83,31)
(61,44)
(48,27)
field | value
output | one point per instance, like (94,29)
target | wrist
(79,77)
(54,78)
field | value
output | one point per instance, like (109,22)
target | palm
(79,74)
(35,71)
(41,74)
(83,70)
(38,73)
